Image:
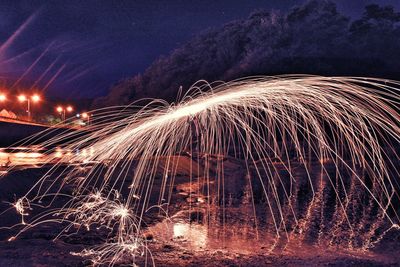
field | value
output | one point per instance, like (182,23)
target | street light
(35,98)
(22,98)
(63,111)
(86,116)
(2,97)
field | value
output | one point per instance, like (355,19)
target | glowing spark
(288,134)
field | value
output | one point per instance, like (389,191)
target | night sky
(78,49)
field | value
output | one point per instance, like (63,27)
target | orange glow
(85,115)
(306,160)
(22,98)
(3,97)
(35,98)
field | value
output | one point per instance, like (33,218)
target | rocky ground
(40,251)
(173,242)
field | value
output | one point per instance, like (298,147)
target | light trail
(4,46)
(332,135)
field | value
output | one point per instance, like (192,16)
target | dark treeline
(312,39)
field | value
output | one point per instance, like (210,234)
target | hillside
(313,38)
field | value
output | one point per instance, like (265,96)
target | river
(36,156)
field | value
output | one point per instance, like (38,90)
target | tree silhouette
(312,38)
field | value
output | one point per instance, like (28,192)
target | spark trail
(317,156)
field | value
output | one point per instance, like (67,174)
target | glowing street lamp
(63,111)
(22,98)
(34,98)
(2,97)
(85,116)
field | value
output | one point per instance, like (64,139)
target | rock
(167,248)
(148,236)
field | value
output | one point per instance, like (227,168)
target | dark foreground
(39,250)
(173,242)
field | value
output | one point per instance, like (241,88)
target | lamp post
(63,111)
(86,116)
(35,98)
(3,97)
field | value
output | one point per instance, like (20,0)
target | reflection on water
(195,233)
(33,156)
(326,205)
(199,236)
